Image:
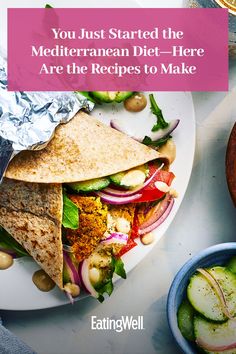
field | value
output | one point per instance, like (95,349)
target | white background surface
(206,217)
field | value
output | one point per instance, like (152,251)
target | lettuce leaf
(70,218)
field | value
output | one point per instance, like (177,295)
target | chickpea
(173,193)
(43,281)
(94,275)
(73,289)
(6,260)
(147,239)
(133,178)
(162,186)
(135,103)
(122,225)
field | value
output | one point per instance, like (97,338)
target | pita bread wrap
(31,196)
(82,149)
(32,213)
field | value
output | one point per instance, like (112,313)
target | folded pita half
(82,149)
(32,214)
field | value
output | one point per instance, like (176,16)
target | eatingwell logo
(124,323)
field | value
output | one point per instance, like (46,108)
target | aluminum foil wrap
(28,119)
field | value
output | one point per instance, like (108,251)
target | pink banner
(117,49)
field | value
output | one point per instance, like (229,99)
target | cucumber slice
(131,178)
(90,185)
(123,95)
(231,265)
(185,318)
(66,276)
(111,96)
(227,282)
(230,351)
(104,96)
(204,298)
(215,337)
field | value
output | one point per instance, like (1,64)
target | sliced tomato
(153,166)
(130,244)
(150,192)
(135,226)
(150,196)
(165,176)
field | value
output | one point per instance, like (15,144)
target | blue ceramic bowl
(215,255)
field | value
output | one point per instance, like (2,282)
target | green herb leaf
(148,141)
(116,266)
(70,218)
(101,298)
(161,123)
(107,288)
(119,267)
(7,242)
(47,6)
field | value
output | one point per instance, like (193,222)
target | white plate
(17,289)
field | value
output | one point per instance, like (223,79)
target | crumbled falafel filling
(97,221)
(92,225)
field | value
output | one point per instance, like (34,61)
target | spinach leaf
(47,6)
(70,218)
(101,298)
(7,242)
(119,267)
(106,288)
(116,266)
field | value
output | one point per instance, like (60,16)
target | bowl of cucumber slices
(201,304)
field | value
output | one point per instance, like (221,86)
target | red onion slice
(10,252)
(84,275)
(161,133)
(120,193)
(215,348)
(117,200)
(72,269)
(121,126)
(116,237)
(157,218)
(156,211)
(216,286)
